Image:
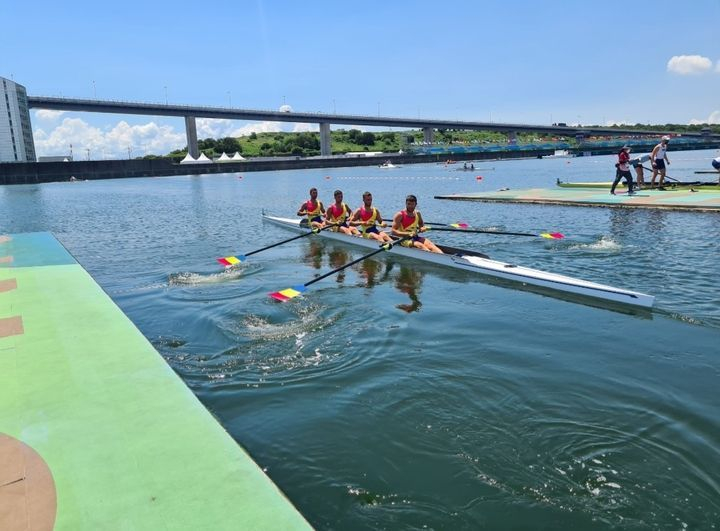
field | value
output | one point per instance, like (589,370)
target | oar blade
(288,293)
(460,225)
(552,235)
(229,261)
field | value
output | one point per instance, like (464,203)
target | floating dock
(703,201)
(96,430)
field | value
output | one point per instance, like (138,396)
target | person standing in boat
(409,222)
(339,213)
(637,164)
(659,160)
(623,170)
(367,218)
(313,209)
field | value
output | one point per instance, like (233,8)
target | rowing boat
(480,263)
(695,185)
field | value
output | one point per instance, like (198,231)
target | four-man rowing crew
(406,225)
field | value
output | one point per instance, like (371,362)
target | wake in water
(192,279)
(604,245)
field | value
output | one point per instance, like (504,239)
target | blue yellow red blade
(460,225)
(552,235)
(288,293)
(229,261)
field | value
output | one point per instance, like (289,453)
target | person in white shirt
(659,160)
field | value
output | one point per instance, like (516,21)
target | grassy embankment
(344,141)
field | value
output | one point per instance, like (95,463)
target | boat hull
(479,263)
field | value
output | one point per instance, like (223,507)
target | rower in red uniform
(339,213)
(367,218)
(313,209)
(409,222)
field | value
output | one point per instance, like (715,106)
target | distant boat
(388,164)
(560,154)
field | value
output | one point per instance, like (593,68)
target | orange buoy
(479,178)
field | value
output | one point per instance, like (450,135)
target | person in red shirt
(623,171)
(409,222)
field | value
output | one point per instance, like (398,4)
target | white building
(16,140)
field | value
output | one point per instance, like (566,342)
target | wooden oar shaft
(383,247)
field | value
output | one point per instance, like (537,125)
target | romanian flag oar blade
(549,235)
(290,293)
(229,261)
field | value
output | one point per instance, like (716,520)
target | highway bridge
(191,112)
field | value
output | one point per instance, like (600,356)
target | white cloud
(688,64)
(112,141)
(220,128)
(610,123)
(143,139)
(306,128)
(717,66)
(46,114)
(714,118)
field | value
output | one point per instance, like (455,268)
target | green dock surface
(96,430)
(704,201)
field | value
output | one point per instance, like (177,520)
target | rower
(409,222)
(313,209)
(338,214)
(367,218)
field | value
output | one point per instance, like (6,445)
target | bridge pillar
(428,135)
(325,147)
(191,136)
(512,137)
(580,137)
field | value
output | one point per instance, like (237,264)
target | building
(16,140)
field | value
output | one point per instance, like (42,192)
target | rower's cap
(626,147)
(666,138)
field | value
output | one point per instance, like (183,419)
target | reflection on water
(313,254)
(338,257)
(369,270)
(408,281)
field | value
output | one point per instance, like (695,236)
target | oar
(229,261)
(666,176)
(290,293)
(456,225)
(461,228)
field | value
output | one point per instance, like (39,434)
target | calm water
(398,395)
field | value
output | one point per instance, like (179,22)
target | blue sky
(530,62)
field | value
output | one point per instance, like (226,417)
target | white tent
(223,158)
(202,158)
(188,160)
(238,156)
